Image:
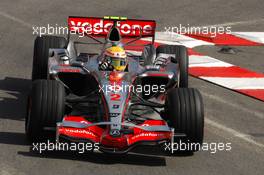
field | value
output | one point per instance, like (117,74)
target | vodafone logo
(78,131)
(96,26)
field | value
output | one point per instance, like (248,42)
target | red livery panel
(100,27)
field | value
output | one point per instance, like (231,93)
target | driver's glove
(105,65)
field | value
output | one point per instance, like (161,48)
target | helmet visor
(118,62)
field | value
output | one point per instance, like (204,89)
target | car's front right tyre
(45,107)
(41,54)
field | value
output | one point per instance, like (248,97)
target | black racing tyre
(41,54)
(46,105)
(185,110)
(181,56)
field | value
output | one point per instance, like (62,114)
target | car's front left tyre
(185,113)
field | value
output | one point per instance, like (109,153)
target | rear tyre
(41,54)
(45,107)
(181,57)
(184,107)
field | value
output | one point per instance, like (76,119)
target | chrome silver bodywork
(60,62)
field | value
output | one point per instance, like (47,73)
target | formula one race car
(114,96)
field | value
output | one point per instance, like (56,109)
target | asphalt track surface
(230,117)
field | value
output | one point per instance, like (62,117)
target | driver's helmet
(117,57)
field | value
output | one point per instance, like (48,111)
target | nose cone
(114,142)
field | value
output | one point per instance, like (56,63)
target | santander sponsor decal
(98,26)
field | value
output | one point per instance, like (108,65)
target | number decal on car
(115,97)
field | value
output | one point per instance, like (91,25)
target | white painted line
(237,83)
(177,39)
(206,61)
(233,132)
(24,23)
(237,23)
(234,105)
(182,39)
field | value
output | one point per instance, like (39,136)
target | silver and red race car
(147,104)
